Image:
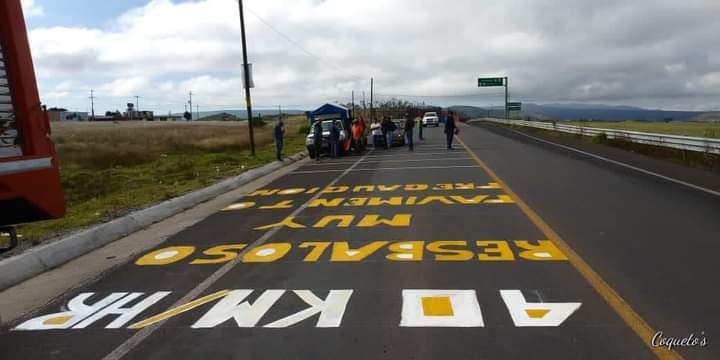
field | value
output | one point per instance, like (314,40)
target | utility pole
(507,113)
(92,105)
(363,103)
(137,103)
(246,74)
(197,107)
(190,102)
(352,102)
(372,111)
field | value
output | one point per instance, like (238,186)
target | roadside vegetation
(704,161)
(699,129)
(110,169)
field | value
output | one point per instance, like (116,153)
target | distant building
(169,118)
(63,115)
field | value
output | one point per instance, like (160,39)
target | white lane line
(386,161)
(447,152)
(143,334)
(647,172)
(374,169)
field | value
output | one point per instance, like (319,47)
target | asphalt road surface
(503,248)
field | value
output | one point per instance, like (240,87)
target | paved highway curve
(503,248)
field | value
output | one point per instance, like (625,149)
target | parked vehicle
(399,133)
(431,119)
(325,148)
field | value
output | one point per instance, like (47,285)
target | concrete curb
(34,261)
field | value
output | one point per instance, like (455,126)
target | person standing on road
(387,131)
(334,140)
(450,129)
(317,139)
(279,133)
(357,136)
(420,126)
(409,125)
(377,133)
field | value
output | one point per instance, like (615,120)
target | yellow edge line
(616,302)
(178,310)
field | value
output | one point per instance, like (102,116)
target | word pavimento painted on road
(376,188)
(379,201)
(450,250)
(420,308)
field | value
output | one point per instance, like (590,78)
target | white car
(325,146)
(430,119)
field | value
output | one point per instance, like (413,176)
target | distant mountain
(587,112)
(708,117)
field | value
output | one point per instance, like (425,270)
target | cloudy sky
(652,53)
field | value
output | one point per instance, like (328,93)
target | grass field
(700,129)
(110,169)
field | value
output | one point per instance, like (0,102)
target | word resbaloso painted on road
(450,250)
(420,308)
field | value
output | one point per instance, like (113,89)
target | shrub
(304,129)
(600,139)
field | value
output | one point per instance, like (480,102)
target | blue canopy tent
(331,112)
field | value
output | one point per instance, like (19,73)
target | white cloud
(31,8)
(553,50)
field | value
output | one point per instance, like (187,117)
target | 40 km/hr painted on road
(420,308)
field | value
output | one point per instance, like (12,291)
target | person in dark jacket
(450,129)
(387,130)
(409,126)
(278,133)
(334,140)
(317,139)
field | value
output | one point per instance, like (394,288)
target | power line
(290,40)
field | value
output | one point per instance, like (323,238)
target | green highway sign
(484,82)
(514,106)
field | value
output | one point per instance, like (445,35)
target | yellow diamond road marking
(58,320)
(437,306)
(537,313)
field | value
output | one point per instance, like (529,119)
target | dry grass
(699,129)
(110,169)
(107,145)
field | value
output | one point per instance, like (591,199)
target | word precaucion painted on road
(420,308)
(376,188)
(447,250)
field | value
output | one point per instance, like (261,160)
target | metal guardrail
(690,143)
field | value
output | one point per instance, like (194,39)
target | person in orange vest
(356,135)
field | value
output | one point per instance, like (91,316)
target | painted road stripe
(178,310)
(396,168)
(386,161)
(129,344)
(647,172)
(408,153)
(616,302)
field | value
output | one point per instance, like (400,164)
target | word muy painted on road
(450,250)
(380,201)
(420,308)
(344,221)
(376,188)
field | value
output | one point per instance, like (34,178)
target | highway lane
(398,254)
